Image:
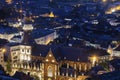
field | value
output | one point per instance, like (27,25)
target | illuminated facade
(19,53)
(113,9)
(46,38)
(51,15)
(9,36)
(28,27)
(51,67)
(115,52)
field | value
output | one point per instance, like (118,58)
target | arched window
(50,71)
(62,79)
(70,79)
(49,79)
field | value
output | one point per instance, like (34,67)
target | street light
(3,50)
(94,59)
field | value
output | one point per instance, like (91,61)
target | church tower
(50,67)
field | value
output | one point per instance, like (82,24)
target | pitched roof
(74,54)
(68,53)
(40,33)
(40,50)
(7,30)
(117,49)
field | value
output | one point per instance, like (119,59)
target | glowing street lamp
(3,50)
(94,59)
(113,10)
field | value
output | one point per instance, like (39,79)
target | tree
(105,65)
(9,66)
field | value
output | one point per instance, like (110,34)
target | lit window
(50,72)
(47,60)
(50,55)
(21,57)
(28,58)
(25,58)
(53,60)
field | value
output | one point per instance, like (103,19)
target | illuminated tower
(51,15)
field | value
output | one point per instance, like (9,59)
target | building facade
(46,38)
(19,53)
(54,65)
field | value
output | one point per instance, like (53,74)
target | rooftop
(7,30)
(37,33)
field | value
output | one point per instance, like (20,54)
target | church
(61,63)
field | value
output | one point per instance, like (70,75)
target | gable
(50,57)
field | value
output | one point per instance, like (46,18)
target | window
(28,50)
(50,71)
(42,39)
(38,41)
(50,55)
(28,58)
(53,60)
(22,50)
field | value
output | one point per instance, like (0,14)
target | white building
(8,36)
(116,52)
(17,39)
(28,27)
(8,32)
(14,24)
(19,53)
(44,36)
